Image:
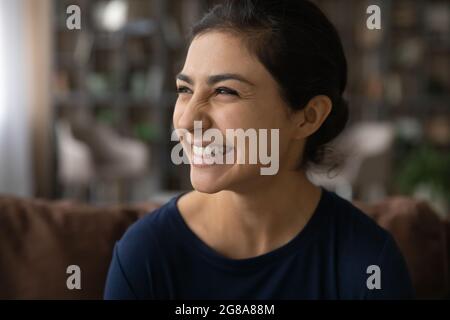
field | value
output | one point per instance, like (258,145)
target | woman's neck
(246,224)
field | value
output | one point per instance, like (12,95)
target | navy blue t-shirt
(160,257)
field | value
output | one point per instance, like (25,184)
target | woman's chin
(208,179)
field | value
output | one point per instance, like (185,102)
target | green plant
(425,166)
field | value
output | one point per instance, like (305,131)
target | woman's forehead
(214,53)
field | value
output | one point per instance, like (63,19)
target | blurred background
(86,114)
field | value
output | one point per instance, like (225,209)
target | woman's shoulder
(150,231)
(364,247)
(354,224)
(356,237)
(139,252)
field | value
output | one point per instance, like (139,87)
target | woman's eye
(226,91)
(181,90)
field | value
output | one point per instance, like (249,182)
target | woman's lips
(209,155)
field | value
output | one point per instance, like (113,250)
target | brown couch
(40,239)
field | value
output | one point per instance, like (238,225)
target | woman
(240,234)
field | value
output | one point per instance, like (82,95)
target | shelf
(117,99)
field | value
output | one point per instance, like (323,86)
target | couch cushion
(40,239)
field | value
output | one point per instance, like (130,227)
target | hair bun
(336,121)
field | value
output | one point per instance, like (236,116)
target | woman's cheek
(237,116)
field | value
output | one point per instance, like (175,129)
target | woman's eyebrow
(216,78)
(227,76)
(184,78)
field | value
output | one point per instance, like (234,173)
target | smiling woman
(259,64)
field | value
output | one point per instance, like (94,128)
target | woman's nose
(193,112)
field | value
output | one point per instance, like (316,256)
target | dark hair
(300,48)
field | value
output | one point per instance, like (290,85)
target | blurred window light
(2,67)
(112,15)
(15,169)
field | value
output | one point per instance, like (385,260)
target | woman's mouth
(209,155)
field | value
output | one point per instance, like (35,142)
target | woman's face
(225,87)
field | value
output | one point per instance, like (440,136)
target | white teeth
(205,151)
(226,150)
(198,151)
(210,150)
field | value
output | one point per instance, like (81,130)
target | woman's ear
(310,119)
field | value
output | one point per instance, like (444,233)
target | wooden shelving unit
(125,77)
(402,69)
